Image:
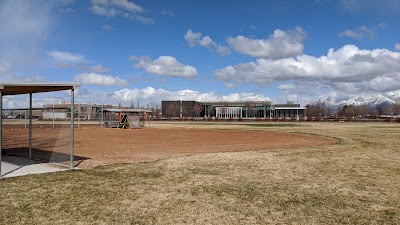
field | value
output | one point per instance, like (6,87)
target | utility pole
(53,111)
(205,107)
(181,109)
(297,108)
(101,116)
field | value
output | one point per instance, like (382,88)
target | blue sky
(148,51)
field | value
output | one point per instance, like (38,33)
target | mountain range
(390,97)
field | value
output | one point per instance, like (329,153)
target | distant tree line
(324,109)
(153,106)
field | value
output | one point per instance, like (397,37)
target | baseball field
(214,173)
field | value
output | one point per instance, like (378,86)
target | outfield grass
(356,181)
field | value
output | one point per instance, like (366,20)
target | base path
(105,146)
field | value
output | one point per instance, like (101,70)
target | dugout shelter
(7,89)
(126,118)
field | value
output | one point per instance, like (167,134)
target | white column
(1,127)
(30,125)
(265,111)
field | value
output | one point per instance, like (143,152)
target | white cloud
(24,26)
(4,68)
(281,44)
(151,94)
(286,87)
(144,20)
(107,27)
(99,79)
(167,12)
(125,4)
(245,96)
(375,6)
(103,11)
(359,33)
(347,69)
(397,46)
(139,58)
(66,57)
(197,39)
(164,65)
(222,50)
(123,8)
(94,68)
(230,85)
(77,61)
(98,68)
(114,7)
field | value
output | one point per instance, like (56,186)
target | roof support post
(72,130)
(1,128)
(30,125)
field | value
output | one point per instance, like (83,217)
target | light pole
(205,108)
(181,109)
(101,116)
(53,111)
(297,108)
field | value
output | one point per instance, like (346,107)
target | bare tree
(152,107)
(315,109)
(352,111)
(197,108)
(382,108)
(187,112)
(173,109)
(328,107)
(347,111)
(250,108)
(395,107)
(156,111)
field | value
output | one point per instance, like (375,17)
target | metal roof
(289,108)
(126,110)
(27,88)
(236,103)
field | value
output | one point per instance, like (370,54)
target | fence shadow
(40,156)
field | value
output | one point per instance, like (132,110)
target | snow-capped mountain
(364,100)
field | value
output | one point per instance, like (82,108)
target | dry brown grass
(356,181)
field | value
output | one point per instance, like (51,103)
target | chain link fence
(51,134)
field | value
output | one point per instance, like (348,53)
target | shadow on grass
(42,156)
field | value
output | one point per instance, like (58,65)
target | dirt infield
(150,144)
(99,146)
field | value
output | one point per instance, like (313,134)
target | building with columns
(232,109)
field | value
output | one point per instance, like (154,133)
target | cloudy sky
(148,51)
